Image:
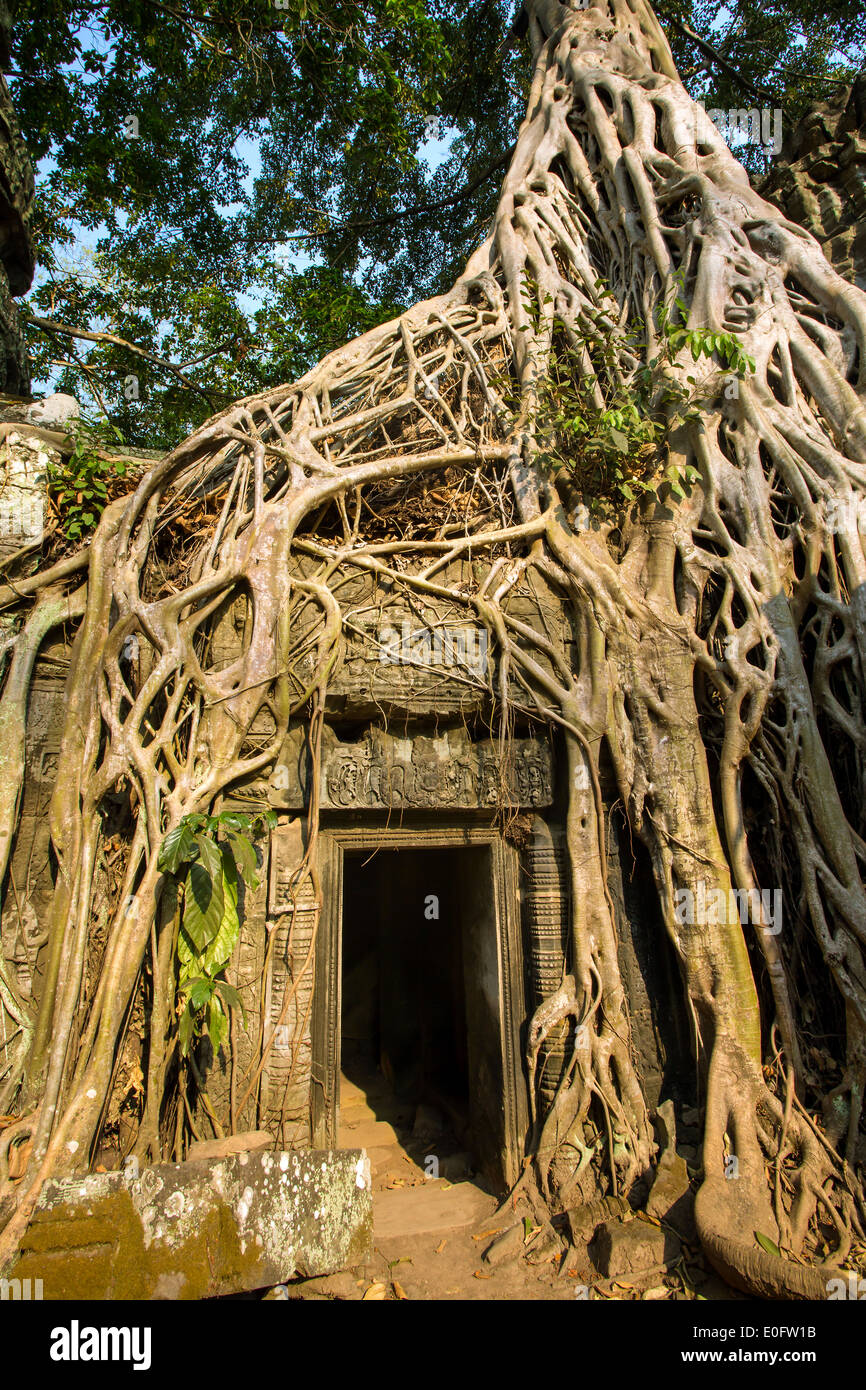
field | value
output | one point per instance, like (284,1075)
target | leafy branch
(208,872)
(79,486)
(605,426)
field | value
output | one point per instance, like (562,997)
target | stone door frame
(335,841)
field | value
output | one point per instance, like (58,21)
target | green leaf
(203,899)
(620,440)
(186,954)
(231,997)
(185,1030)
(220,948)
(200,991)
(767,1244)
(245,857)
(177,848)
(217,1025)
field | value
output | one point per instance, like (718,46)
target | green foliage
(302,130)
(79,485)
(786,55)
(262,133)
(701,341)
(208,871)
(606,427)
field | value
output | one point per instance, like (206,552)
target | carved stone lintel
(382,771)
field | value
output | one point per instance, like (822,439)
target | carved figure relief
(383,771)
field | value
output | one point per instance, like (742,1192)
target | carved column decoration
(546,903)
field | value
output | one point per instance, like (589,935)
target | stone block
(199,1229)
(632,1247)
(430,1210)
(506,1246)
(54,411)
(255,1141)
(671,1199)
(24,463)
(342,1286)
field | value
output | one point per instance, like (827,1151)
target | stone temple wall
(408,742)
(409,749)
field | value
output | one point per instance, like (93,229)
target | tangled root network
(718,661)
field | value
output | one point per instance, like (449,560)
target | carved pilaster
(546,902)
(293,914)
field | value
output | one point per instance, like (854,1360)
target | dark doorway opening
(421,1030)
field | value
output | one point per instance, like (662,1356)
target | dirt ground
(440,1233)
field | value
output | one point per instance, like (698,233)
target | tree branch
(53,326)
(759,93)
(417,211)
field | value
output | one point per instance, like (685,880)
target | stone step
(368,1134)
(386,1155)
(355,1109)
(349,1090)
(393,1163)
(418,1211)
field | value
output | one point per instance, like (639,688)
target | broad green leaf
(221,946)
(620,440)
(177,848)
(217,1025)
(199,993)
(231,997)
(245,857)
(203,896)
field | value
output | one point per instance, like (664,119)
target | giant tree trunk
(720,626)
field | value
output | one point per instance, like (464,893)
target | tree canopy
(237,187)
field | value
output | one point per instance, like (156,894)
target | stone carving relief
(385,771)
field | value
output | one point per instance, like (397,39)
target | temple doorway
(420,1019)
